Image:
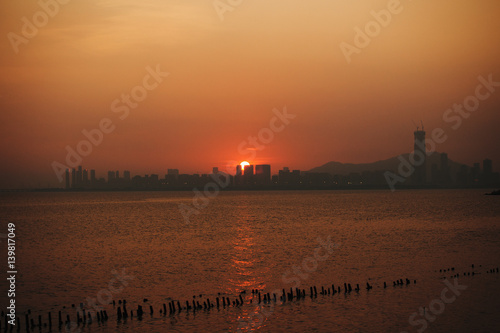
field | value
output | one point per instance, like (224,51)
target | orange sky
(226,77)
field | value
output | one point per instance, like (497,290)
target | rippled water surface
(69,245)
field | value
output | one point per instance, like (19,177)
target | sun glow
(244,164)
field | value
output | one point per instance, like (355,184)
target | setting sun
(244,164)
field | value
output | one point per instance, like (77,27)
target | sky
(226,69)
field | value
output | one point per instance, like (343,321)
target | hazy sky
(226,77)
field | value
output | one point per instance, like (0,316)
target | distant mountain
(391,164)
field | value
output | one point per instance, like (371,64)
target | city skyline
(189,88)
(249,176)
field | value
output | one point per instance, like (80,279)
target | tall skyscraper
(248,174)
(172,177)
(85,176)
(444,173)
(67,179)
(92,176)
(487,167)
(73,178)
(487,176)
(238,178)
(79,176)
(263,174)
(111,177)
(419,157)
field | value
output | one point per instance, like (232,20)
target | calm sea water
(70,244)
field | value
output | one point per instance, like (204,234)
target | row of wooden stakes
(175,307)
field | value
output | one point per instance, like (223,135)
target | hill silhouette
(390,164)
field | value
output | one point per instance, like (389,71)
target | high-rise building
(172,177)
(67,179)
(85,176)
(487,166)
(419,158)
(263,174)
(111,177)
(92,176)
(444,172)
(248,174)
(73,178)
(475,173)
(487,176)
(126,175)
(287,177)
(79,176)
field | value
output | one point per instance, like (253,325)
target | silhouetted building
(67,179)
(435,174)
(238,177)
(262,174)
(487,176)
(111,177)
(85,177)
(462,179)
(173,172)
(92,176)
(444,176)
(419,158)
(475,174)
(488,167)
(73,178)
(248,175)
(285,177)
(79,177)
(126,176)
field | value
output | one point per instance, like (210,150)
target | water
(68,245)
